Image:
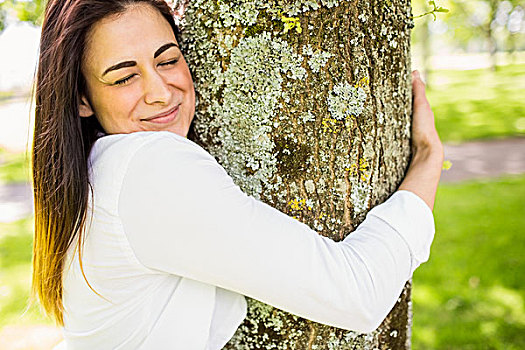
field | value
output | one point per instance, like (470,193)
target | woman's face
(136,77)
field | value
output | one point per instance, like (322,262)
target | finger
(417,74)
(417,82)
(418,90)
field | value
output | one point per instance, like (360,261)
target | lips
(164,117)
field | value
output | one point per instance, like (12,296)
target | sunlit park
(471,292)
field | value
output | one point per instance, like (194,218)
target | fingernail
(416,73)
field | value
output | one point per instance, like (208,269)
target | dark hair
(62,139)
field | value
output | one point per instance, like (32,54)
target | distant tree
(481,19)
(488,28)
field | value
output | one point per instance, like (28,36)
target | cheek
(185,72)
(188,79)
(191,91)
(117,106)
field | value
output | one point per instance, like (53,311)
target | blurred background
(470,295)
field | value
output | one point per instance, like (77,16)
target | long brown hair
(62,140)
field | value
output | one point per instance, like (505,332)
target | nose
(156,90)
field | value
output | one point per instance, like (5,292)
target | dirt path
(485,159)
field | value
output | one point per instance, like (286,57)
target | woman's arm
(427,151)
(183,215)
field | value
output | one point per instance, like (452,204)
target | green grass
(470,294)
(15,275)
(478,104)
(14,167)
(15,253)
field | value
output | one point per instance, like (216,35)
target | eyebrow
(163,48)
(126,64)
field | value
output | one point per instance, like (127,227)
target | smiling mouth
(165,117)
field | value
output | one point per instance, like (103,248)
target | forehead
(136,33)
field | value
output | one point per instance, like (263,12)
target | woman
(143,241)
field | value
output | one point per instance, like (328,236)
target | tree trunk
(307,105)
(491,39)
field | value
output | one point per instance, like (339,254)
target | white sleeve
(183,215)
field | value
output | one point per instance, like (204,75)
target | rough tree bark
(307,105)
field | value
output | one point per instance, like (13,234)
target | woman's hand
(424,133)
(423,175)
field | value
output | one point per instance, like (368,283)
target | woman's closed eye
(170,62)
(124,80)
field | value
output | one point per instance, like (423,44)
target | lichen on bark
(314,122)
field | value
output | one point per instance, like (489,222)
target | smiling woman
(142,240)
(137,78)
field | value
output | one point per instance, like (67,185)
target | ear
(84,108)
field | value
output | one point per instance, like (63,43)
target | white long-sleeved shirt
(173,246)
